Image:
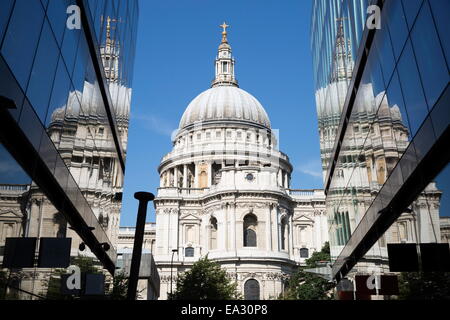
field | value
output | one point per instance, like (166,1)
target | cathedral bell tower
(224,63)
(109,53)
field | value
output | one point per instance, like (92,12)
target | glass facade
(383,105)
(336,30)
(65,104)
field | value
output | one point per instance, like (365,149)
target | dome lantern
(224,63)
(225,102)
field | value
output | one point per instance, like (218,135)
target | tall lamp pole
(171,266)
(144,198)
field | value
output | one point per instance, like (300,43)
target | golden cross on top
(224,26)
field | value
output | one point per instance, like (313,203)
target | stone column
(204,228)
(279,233)
(34,220)
(210,174)
(274,228)
(291,240)
(317,229)
(323,227)
(269,228)
(175,177)
(170,180)
(175,233)
(195,175)
(221,222)
(166,229)
(225,226)
(185,176)
(233,226)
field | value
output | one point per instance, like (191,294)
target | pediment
(303,218)
(10,214)
(190,217)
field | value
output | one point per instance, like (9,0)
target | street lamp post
(144,198)
(171,266)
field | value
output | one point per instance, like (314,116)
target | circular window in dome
(250,177)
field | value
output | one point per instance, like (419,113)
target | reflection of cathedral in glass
(376,138)
(83,137)
(331,97)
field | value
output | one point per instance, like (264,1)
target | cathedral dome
(225,103)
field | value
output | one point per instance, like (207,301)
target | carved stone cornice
(280,276)
(167,211)
(252,205)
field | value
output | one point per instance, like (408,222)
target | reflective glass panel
(440,9)
(429,55)
(412,89)
(21,38)
(411,8)
(397,25)
(57,15)
(60,92)
(5,11)
(43,73)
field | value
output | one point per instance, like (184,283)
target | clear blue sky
(176,47)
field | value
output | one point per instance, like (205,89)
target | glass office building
(66,69)
(383,104)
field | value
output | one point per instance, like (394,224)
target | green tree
(206,280)
(7,293)
(307,286)
(3,281)
(4,292)
(424,286)
(119,287)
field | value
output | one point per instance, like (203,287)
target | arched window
(189,252)
(250,224)
(213,233)
(284,233)
(251,290)
(224,67)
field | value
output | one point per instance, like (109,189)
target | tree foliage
(424,286)
(3,281)
(5,294)
(119,287)
(307,286)
(206,280)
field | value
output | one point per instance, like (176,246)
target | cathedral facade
(225,193)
